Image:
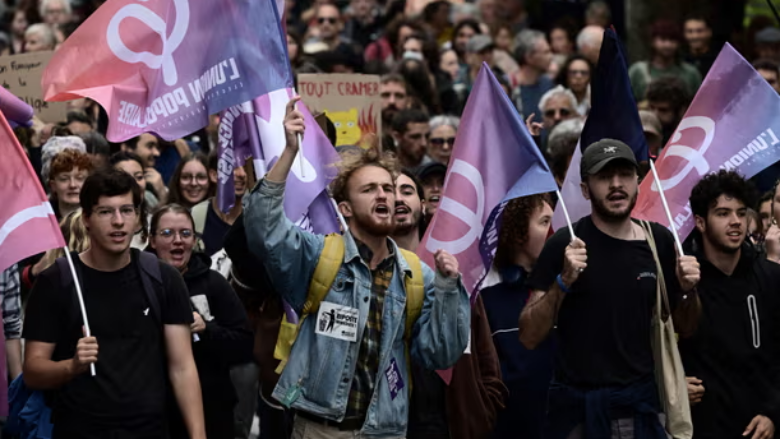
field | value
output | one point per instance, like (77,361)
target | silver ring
(580,270)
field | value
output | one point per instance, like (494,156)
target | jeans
(244,377)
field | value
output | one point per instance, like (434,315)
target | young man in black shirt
(733,357)
(137,346)
(602,300)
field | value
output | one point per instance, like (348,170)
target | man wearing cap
(479,50)
(432,178)
(599,290)
(665,61)
(768,44)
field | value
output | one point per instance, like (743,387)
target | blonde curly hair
(350,164)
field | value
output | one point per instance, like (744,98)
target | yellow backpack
(325,273)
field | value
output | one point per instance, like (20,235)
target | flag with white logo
(164,66)
(494,160)
(613,115)
(732,124)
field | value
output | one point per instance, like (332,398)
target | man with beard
(354,381)
(409,207)
(392,91)
(601,300)
(410,133)
(733,356)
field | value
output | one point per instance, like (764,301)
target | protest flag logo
(494,159)
(165,65)
(731,124)
(613,115)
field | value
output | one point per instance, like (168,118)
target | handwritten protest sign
(21,75)
(351,102)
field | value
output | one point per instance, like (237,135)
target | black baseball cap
(600,153)
(429,169)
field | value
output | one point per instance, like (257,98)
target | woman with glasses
(190,183)
(575,75)
(221,337)
(442,138)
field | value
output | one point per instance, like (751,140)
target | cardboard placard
(21,75)
(351,102)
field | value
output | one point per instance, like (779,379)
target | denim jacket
(319,374)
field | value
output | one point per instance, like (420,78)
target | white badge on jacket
(337,321)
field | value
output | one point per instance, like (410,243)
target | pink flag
(732,124)
(27,223)
(164,66)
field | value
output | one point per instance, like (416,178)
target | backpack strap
(415,292)
(149,271)
(331,259)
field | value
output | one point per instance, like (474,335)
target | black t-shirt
(603,325)
(127,396)
(214,232)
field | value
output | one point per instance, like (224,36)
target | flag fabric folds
(164,66)
(255,129)
(731,124)
(494,160)
(613,115)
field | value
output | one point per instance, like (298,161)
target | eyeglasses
(579,73)
(169,234)
(331,20)
(440,141)
(107,213)
(200,178)
(564,112)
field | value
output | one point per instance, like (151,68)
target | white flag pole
(566,214)
(300,141)
(666,208)
(87,332)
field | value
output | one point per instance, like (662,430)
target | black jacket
(227,340)
(736,348)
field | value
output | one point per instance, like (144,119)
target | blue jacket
(319,374)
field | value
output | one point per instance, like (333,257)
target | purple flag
(494,160)
(256,129)
(164,65)
(732,124)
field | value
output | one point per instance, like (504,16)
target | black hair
(697,16)
(418,83)
(669,89)
(79,116)
(766,64)
(107,183)
(704,195)
(124,156)
(213,163)
(563,77)
(473,24)
(766,196)
(132,143)
(432,8)
(417,182)
(405,117)
(96,143)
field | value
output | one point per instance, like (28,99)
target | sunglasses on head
(331,20)
(439,141)
(563,111)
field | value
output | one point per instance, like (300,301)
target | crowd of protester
(562,328)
